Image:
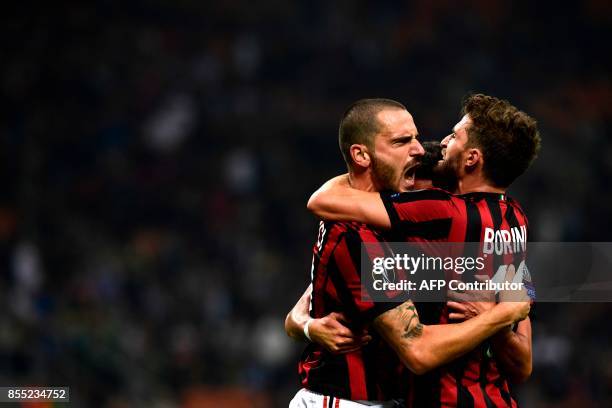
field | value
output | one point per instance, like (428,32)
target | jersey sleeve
(356,288)
(425,213)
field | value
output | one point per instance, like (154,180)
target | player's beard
(384,175)
(446,173)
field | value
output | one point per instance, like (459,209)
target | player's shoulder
(429,194)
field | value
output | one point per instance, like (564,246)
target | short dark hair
(359,124)
(429,161)
(508,138)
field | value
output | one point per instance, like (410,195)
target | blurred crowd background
(156,158)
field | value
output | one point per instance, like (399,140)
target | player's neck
(362,181)
(476,183)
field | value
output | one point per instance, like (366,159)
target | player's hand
(331,333)
(460,311)
(513,295)
(467,304)
(518,310)
(516,301)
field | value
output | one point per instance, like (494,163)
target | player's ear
(473,157)
(360,155)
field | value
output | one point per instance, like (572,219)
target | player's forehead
(396,122)
(463,124)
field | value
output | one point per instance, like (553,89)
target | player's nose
(417,149)
(444,142)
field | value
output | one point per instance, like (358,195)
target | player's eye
(403,140)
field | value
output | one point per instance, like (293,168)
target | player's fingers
(342,331)
(335,349)
(362,339)
(456,316)
(347,340)
(353,343)
(365,339)
(349,350)
(342,345)
(347,344)
(456,306)
(340,317)
(481,278)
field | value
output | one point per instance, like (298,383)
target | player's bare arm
(424,347)
(336,200)
(512,349)
(330,331)
(298,316)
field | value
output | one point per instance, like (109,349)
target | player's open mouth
(409,175)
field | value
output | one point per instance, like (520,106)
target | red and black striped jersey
(373,372)
(473,380)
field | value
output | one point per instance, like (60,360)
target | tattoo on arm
(412,328)
(403,320)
